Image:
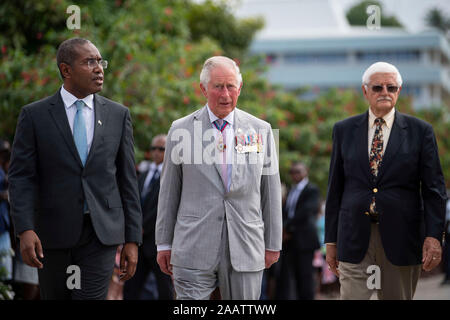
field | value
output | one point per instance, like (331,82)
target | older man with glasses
(385,208)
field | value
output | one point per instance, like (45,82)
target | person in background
(446,259)
(5,222)
(300,236)
(149,183)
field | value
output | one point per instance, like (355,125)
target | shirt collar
(301,185)
(69,99)
(154,166)
(388,118)
(229,118)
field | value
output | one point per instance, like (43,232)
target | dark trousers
(133,288)
(296,277)
(95,262)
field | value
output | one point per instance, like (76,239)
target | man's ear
(364,90)
(65,69)
(205,93)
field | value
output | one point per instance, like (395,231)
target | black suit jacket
(149,210)
(302,226)
(409,189)
(49,185)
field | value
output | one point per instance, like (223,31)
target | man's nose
(225,92)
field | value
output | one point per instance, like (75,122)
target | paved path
(428,288)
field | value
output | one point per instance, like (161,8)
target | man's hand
(331,259)
(31,248)
(431,253)
(128,260)
(271,257)
(163,259)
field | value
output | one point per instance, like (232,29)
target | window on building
(303,58)
(393,56)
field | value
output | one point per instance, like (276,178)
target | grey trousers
(192,284)
(359,281)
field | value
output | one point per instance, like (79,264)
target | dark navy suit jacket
(49,185)
(409,189)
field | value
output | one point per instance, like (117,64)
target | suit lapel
(396,138)
(100,122)
(361,145)
(59,115)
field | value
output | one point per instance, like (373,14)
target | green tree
(357,15)
(435,18)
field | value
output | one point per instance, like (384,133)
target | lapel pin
(99,122)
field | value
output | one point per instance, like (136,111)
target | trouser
(358,281)
(192,284)
(296,270)
(94,261)
(133,288)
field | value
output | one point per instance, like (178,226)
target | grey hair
(211,63)
(381,67)
(159,136)
(67,53)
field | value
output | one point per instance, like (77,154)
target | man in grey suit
(73,186)
(219,220)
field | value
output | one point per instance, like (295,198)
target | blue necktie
(79,132)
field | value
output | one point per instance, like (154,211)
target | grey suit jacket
(193,203)
(49,185)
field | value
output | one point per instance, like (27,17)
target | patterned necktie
(79,132)
(376,155)
(221,125)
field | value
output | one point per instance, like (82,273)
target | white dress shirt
(386,127)
(293,196)
(88,113)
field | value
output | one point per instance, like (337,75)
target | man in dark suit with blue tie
(149,182)
(385,209)
(73,186)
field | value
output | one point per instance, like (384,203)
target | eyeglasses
(378,88)
(92,63)
(158,148)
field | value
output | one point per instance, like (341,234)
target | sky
(411,13)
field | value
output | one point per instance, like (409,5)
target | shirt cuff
(331,243)
(162,247)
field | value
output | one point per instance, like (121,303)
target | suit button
(220,218)
(375,190)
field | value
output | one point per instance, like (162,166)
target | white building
(309,43)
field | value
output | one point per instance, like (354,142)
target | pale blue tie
(79,132)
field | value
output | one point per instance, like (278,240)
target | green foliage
(437,19)
(215,20)
(155,51)
(357,15)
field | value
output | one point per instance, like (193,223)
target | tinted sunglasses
(157,148)
(378,88)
